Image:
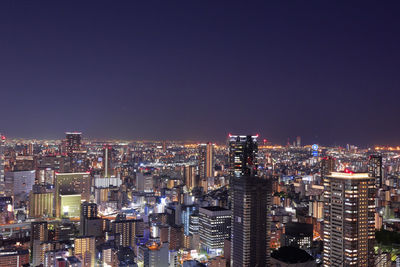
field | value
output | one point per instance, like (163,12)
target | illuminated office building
(214,228)
(250,239)
(375,169)
(349,219)
(84,248)
(71,184)
(242,155)
(70,206)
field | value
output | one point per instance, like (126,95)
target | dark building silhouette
(250,238)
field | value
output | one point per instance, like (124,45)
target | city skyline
(179,70)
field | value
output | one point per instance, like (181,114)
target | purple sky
(324,70)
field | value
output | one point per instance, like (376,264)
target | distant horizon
(260,141)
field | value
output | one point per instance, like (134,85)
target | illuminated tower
(349,219)
(190,176)
(107,160)
(242,155)
(375,169)
(206,163)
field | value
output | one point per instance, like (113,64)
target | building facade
(349,219)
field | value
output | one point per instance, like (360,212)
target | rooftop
(291,255)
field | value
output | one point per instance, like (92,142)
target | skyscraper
(2,180)
(189,173)
(90,224)
(107,160)
(206,160)
(242,155)
(349,219)
(206,163)
(375,169)
(75,152)
(73,143)
(251,197)
(128,230)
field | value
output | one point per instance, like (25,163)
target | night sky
(327,71)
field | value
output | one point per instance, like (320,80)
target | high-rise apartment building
(189,174)
(349,219)
(90,224)
(127,230)
(251,202)
(84,248)
(242,155)
(375,169)
(41,203)
(13,257)
(206,163)
(39,234)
